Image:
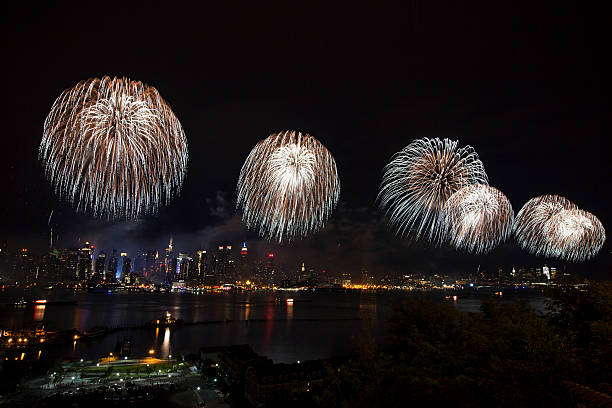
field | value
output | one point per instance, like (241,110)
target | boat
(278,299)
(53,302)
(165,321)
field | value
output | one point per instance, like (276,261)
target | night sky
(523,85)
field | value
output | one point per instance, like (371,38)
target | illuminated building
(125,267)
(145,264)
(85,262)
(183,262)
(201,265)
(270,270)
(546,272)
(100,266)
(23,267)
(168,260)
(224,266)
(112,266)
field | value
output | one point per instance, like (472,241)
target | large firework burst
(420,178)
(288,186)
(114,148)
(553,226)
(477,218)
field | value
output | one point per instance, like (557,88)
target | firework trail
(477,218)
(51,230)
(555,227)
(420,178)
(288,186)
(114,148)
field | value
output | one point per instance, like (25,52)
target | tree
(506,356)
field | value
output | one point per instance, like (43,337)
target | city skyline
(535,120)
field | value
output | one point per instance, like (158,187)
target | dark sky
(523,85)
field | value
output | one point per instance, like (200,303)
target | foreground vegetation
(506,356)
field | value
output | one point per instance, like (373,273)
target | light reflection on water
(165,348)
(320,327)
(39,313)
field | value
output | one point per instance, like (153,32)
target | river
(316,325)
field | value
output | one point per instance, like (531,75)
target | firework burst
(477,218)
(574,235)
(114,148)
(420,178)
(555,227)
(288,186)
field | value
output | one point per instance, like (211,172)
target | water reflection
(165,348)
(269,323)
(289,311)
(39,313)
(80,319)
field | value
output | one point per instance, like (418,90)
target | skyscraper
(169,258)
(270,270)
(126,267)
(243,264)
(225,267)
(100,266)
(84,263)
(149,264)
(202,265)
(172,270)
(183,263)
(113,266)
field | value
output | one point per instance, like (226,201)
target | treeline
(506,356)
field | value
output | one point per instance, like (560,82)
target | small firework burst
(554,227)
(477,218)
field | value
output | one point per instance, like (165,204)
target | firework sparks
(114,148)
(553,226)
(477,218)
(420,178)
(288,186)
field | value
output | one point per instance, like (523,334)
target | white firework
(114,148)
(477,218)
(420,178)
(555,227)
(288,186)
